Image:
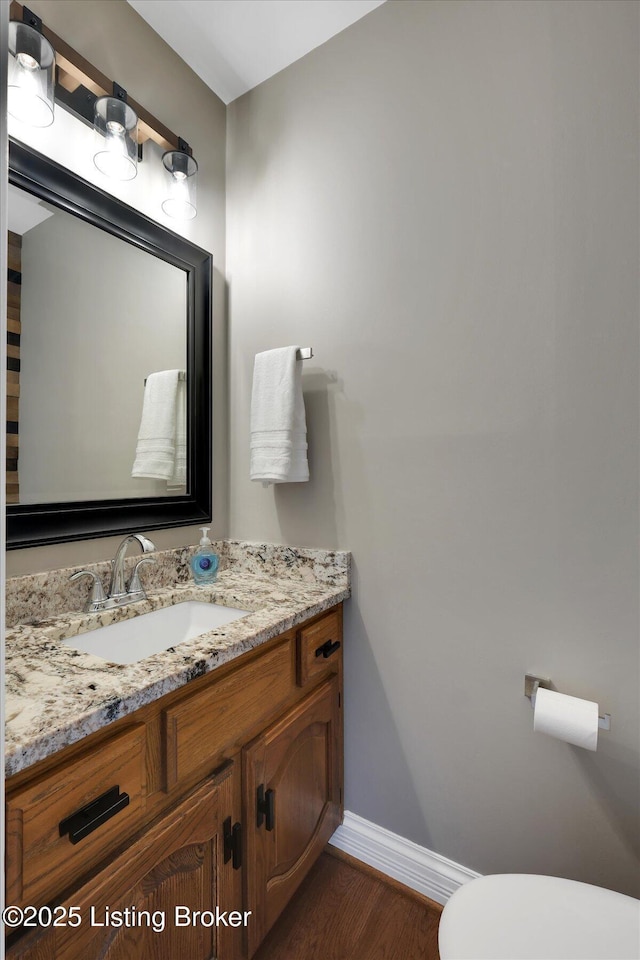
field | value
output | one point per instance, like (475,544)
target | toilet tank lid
(517,916)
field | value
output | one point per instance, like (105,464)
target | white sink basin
(131,640)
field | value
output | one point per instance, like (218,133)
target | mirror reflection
(95,317)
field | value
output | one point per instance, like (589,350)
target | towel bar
(304,353)
(182,375)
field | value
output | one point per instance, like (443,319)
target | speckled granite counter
(56,695)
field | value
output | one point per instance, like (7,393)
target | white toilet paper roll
(566,718)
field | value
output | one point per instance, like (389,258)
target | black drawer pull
(328,648)
(266,807)
(232,837)
(79,825)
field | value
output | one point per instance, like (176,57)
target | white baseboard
(429,873)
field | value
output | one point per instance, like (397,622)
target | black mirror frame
(31,525)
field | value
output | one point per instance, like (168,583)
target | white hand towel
(156,449)
(278,425)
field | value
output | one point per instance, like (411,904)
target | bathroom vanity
(214,791)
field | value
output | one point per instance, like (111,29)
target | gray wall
(112,36)
(443,202)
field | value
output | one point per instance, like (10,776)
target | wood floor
(342,912)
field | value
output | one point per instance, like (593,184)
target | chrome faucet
(118,594)
(117,588)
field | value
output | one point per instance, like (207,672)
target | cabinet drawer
(207,726)
(319,648)
(42,857)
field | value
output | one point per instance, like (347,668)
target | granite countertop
(56,695)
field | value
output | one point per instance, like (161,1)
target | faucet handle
(97,593)
(135,586)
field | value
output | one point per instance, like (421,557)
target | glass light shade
(180,185)
(116,147)
(30,88)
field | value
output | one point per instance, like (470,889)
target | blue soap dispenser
(204,562)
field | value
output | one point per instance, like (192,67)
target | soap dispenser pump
(204,562)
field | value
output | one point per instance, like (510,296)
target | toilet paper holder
(531,684)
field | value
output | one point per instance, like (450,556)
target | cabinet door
(129,910)
(291,796)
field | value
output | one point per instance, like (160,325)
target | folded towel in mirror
(161,448)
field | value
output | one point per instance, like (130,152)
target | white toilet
(514,916)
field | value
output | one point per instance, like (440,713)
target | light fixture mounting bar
(31,18)
(74,71)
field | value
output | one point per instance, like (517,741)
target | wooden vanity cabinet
(292,796)
(196,835)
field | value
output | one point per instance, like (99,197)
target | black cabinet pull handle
(80,824)
(328,648)
(271,809)
(227,834)
(237,845)
(232,843)
(266,807)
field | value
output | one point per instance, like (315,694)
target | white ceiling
(233,45)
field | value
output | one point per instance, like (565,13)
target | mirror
(88,325)
(100,299)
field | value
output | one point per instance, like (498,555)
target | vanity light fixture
(180,182)
(44,68)
(116,133)
(30,91)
